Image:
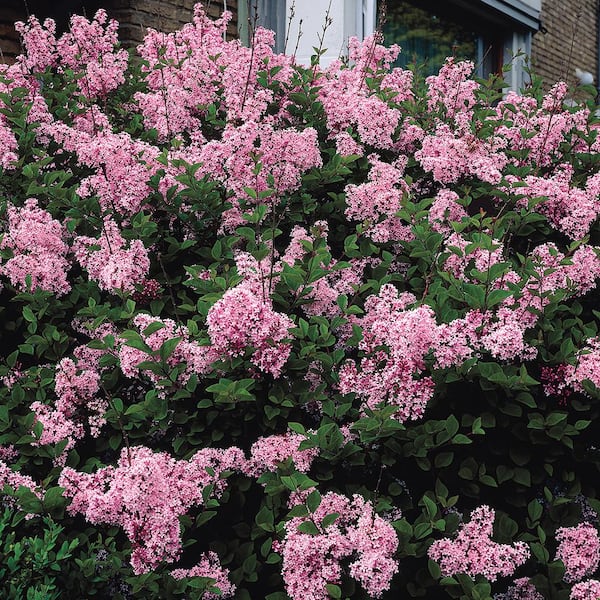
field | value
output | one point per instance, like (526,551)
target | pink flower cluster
(8,453)
(451,155)
(283,154)
(77,383)
(145,494)
(586,590)
(209,566)
(587,368)
(15,480)
(88,49)
(320,296)
(357,533)
(191,68)
(466,255)
(444,210)
(155,332)
(521,589)
(39,42)
(555,381)
(473,552)
(376,202)
(117,265)
(539,131)
(349,103)
(579,550)
(243,319)
(121,166)
(39,250)
(268,452)
(395,342)
(8,146)
(452,90)
(568,208)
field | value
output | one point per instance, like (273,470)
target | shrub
(281,331)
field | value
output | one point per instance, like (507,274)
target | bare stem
(120,422)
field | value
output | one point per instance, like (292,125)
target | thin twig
(299,36)
(251,31)
(171,296)
(289,25)
(121,426)
(321,37)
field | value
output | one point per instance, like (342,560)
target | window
(490,33)
(270,14)
(428,33)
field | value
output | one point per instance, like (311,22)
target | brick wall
(568,40)
(10,12)
(134,17)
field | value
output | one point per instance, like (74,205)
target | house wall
(10,12)
(134,17)
(567,40)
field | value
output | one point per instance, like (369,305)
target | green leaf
(167,349)
(430,507)
(54,498)
(534,510)
(522,476)
(308,527)
(313,501)
(28,314)
(329,520)
(461,439)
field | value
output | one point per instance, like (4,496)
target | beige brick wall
(568,39)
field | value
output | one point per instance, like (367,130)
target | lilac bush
(282,331)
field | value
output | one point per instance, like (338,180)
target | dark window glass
(429,31)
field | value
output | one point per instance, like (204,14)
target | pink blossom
(38,247)
(8,146)
(376,202)
(466,254)
(586,590)
(473,552)
(284,155)
(267,452)
(450,156)
(579,550)
(197,358)
(395,342)
(117,264)
(521,589)
(444,210)
(539,131)
(209,566)
(56,428)
(452,89)
(244,319)
(588,366)
(39,43)
(349,102)
(8,453)
(145,494)
(569,209)
(312,561)
(89,48)
(15,480)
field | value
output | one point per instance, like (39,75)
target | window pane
(428,32)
